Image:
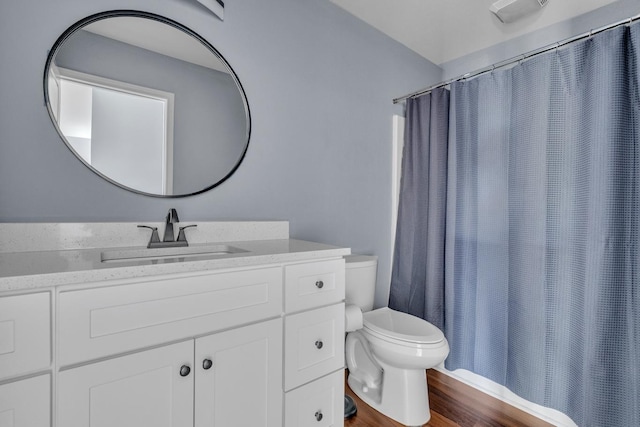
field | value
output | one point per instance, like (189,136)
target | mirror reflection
(147,104)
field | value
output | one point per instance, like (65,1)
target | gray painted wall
(319,83)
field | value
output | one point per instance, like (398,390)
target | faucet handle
(181,235)
(155,238)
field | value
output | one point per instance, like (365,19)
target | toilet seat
(403,328)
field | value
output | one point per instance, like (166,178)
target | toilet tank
(360,280)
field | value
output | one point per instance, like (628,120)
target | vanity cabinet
(314,344)
(238,379)
(253,345)
(209,380)
(141,389)
(317,404)
(128,315)
(25,349)
(232,378)
(26,403)
(25,334)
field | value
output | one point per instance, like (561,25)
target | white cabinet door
(147,389)
(239,377)
(26,403)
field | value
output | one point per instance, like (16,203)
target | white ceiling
(156,37)
(443,30)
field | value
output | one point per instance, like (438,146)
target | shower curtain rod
(516,59)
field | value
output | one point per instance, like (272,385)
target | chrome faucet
(172,218)
(169,236)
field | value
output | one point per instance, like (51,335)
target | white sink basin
(168,253)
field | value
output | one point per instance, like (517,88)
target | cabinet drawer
(26,403)
(317,404)
(314,344)
(25,334)
(313,284)
(104,321)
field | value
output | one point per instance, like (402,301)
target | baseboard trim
(502,393)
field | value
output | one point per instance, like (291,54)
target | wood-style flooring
(452,403)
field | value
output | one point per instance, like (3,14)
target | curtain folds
(541,248)
(417,280)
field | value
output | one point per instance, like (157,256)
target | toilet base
(403,395)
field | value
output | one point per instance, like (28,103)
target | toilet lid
(402,326)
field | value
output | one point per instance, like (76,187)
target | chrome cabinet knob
(319,344)
(184,370)
(319,284)
(207,364)
(318,416)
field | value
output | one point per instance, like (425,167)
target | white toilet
(388,356)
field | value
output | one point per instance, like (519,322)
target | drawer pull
(207,364)
(319,284)
(319,344)
(318,416)
(184,370)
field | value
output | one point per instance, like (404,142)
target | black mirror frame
(147,15)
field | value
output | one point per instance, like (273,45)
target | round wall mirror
(147,104)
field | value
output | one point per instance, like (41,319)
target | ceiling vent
(511,10)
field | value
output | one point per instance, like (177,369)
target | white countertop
(44,269)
